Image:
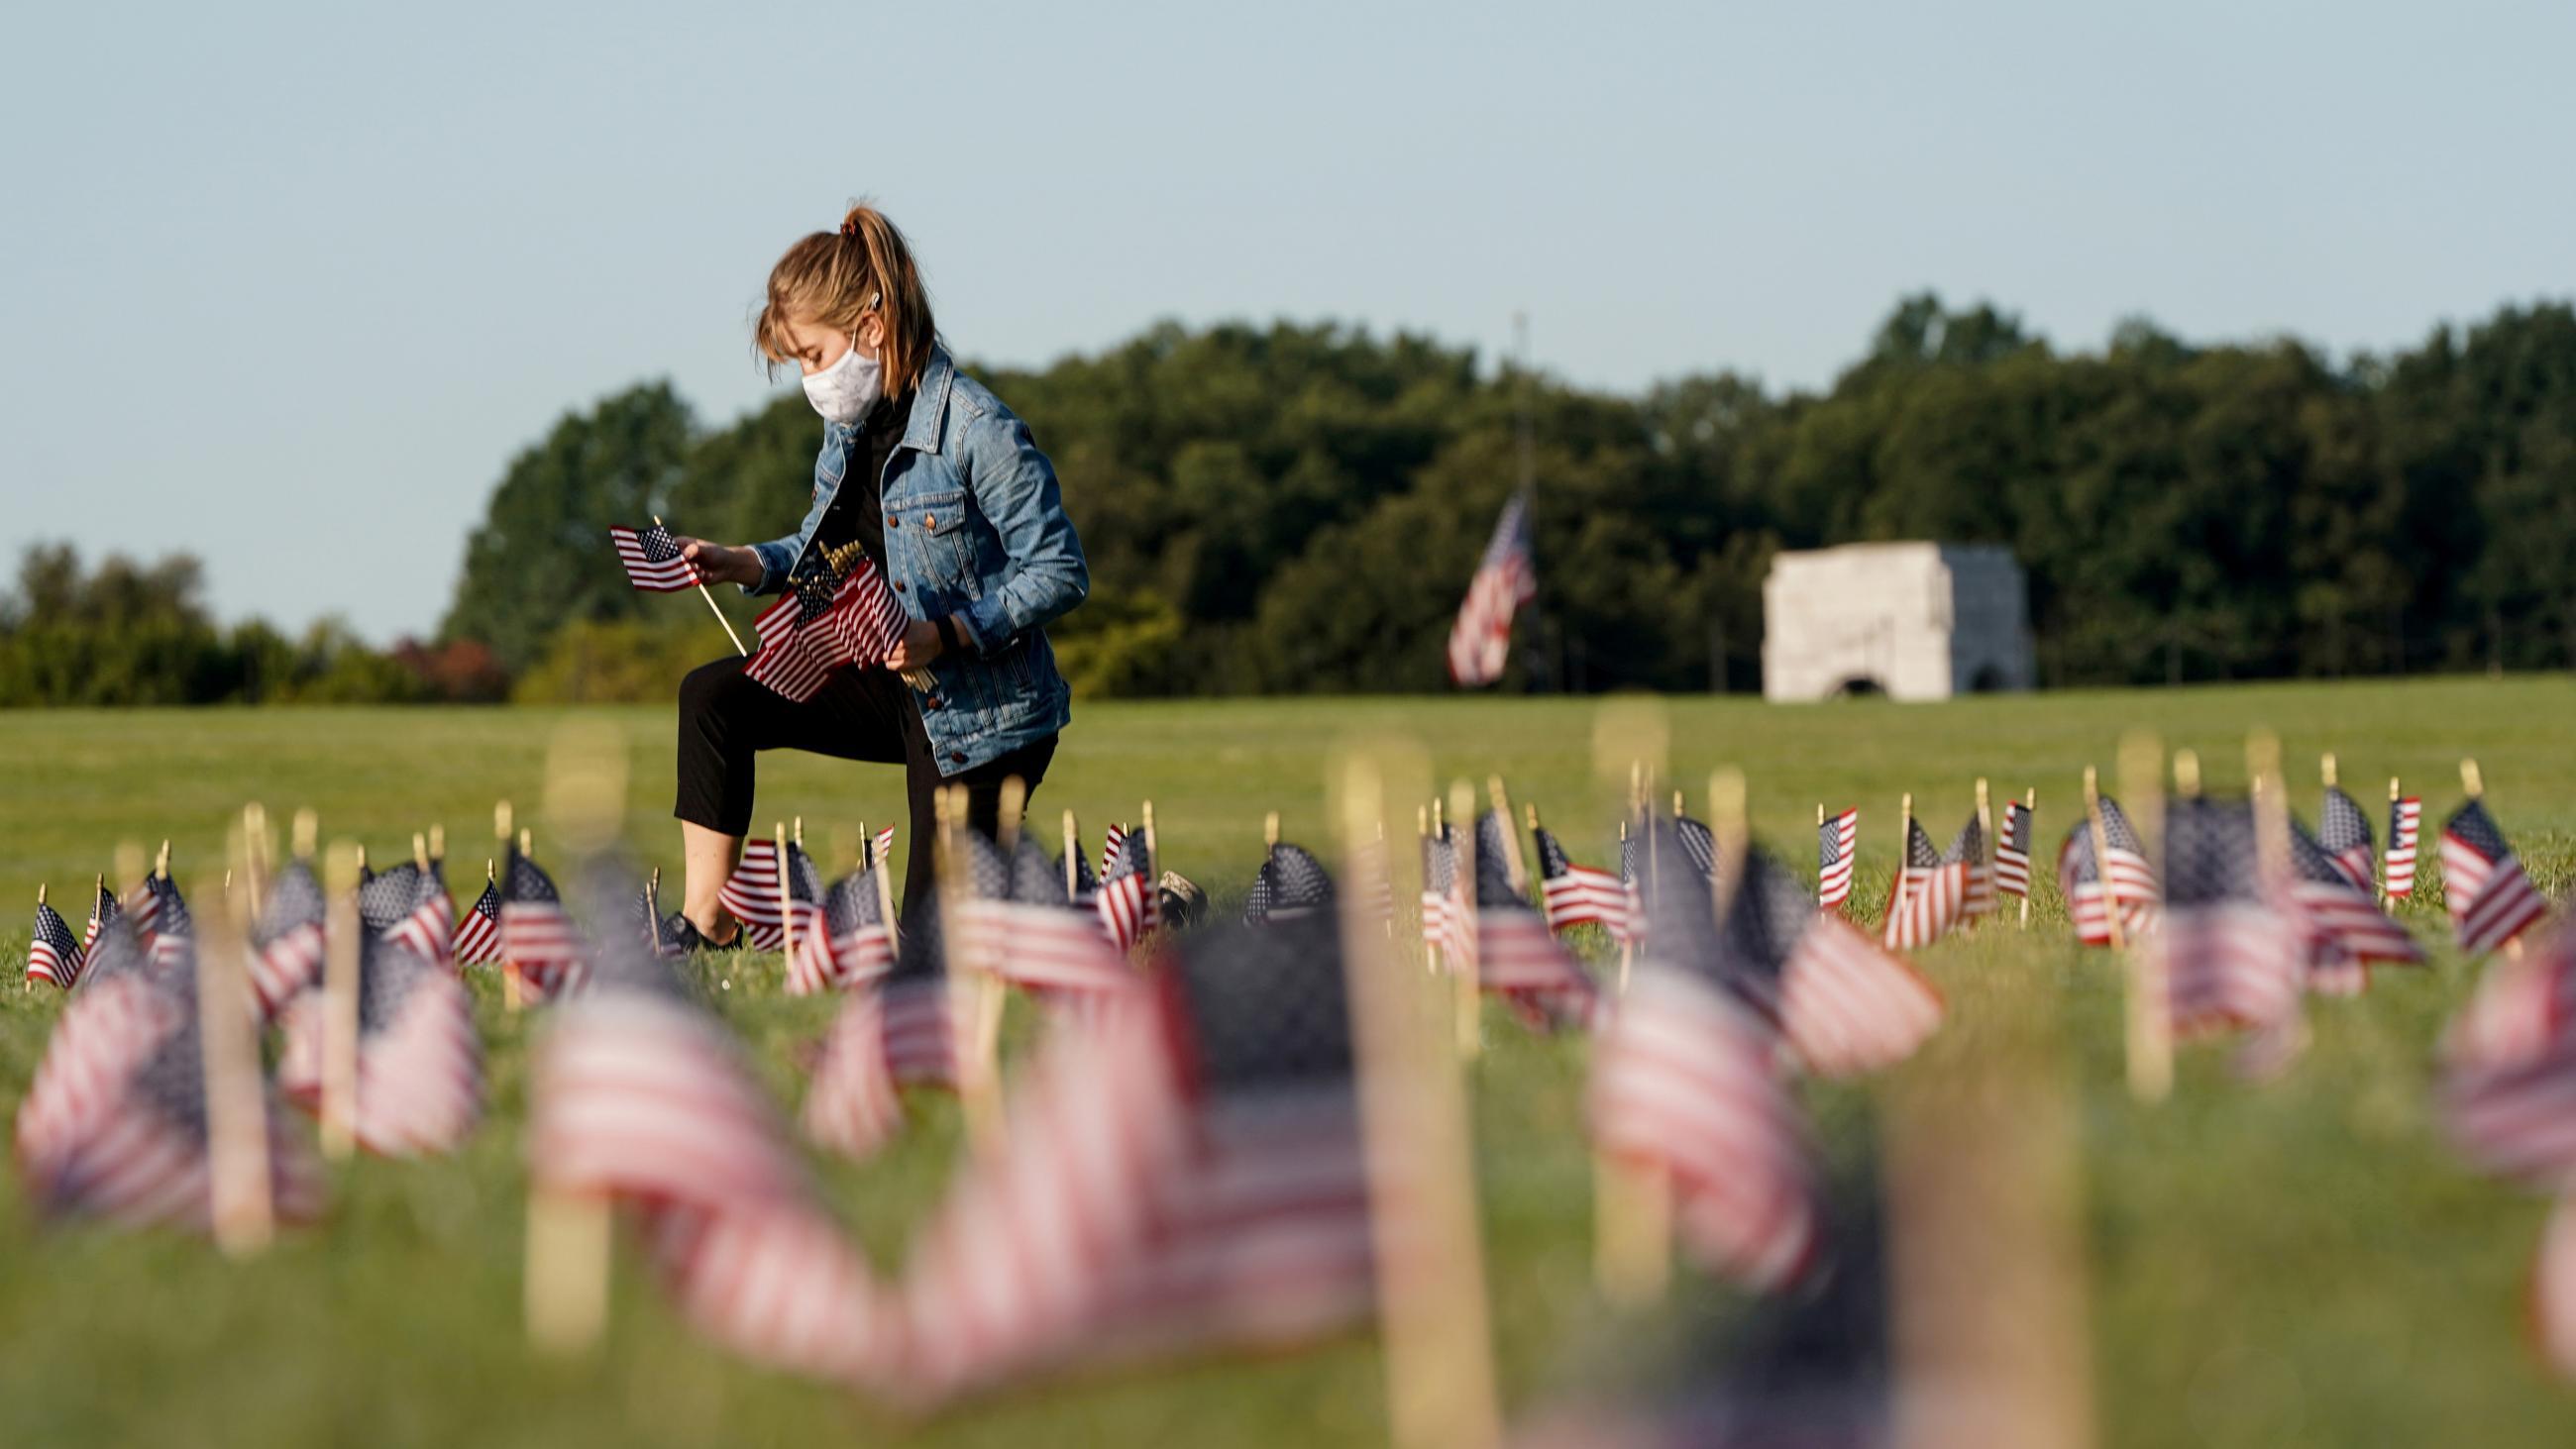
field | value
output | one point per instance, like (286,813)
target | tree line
(1299,508)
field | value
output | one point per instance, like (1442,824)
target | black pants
(859,714)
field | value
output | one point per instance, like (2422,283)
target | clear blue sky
(288,285)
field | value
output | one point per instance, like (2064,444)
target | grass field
(2303,1262)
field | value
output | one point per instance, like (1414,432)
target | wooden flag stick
(1436,1328)
(1904,856)
(786,897)
(420,852)
(885,900)
(2395,794)
(1270,831)
(1072,857)
(2471,780)
(1153,849)
(308,833)
(2150,1012)
(989,994)
(1514,868)
(237,1167)
(1627,938)
(1986,836)
(2326,768)
(2101,857)
(511,995)
(438,845)
(1465,987)
(161,862)
(340,967)
(2030,815)
(975,1086)
(254,856)
(712,607)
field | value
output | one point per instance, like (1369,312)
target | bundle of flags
(420,1064)
(1480,642)
(829,617)
(1684,1086)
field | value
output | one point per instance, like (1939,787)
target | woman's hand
(919,645)
(720,564)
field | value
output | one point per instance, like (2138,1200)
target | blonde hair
(837,278)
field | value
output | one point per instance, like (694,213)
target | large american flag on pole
(1191,1175)
(1480,643)
(652,559)
(639,1095)
(1683,1082)
(2491,900)
(2405,820)
(1837,844)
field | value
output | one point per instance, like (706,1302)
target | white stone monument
(1907,620)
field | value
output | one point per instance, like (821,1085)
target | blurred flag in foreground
(420,1064)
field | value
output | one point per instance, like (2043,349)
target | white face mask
(844,391)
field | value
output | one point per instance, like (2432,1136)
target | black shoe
(680,937)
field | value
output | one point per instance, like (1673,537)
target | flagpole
(2150,1008)
(1904,854)
(1471,1036)
(2394,795)
(711,601)
(340,1002)
(2030,823)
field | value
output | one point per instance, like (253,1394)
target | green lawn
(2298,1263)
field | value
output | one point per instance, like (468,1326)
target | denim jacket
(975,527)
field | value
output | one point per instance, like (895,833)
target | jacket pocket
(936,523)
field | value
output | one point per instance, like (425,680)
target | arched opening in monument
(1859,686)
(1987,680)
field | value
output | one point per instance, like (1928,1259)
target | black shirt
(858,510)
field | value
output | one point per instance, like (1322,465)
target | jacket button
(898,586)
(893,522)
(932,702)
(958,756)
(930,520)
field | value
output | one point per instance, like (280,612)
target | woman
(926,471)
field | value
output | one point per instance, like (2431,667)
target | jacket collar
(930,401)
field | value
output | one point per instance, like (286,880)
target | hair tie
(850,224)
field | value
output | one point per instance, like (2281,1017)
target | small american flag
(639,1095)
(1290,883)
(900,1029)
(805,891)
(429,927)
(1843,1004)
(1968,848)
(2344,832)
(53,956)
(2233,956)
(751,894)
(1837,844)
(1439,883)
(2012,851)
(851,946)
(1683,1080)
(1578,895)
(420,1064)
(652,559)
(2347,932)
(478,931)
(825,621)
(173,929)
(1192,1175)
(2491,900)
(2133,880)
(1086,886)
(1480,643)
(881,849)
(2405,818)
(1928,895)
(101,911)
(1130,900)
(1517,956)
(537,934)
(2507,1088)
(286,954)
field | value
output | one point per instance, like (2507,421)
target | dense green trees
(1300,507)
